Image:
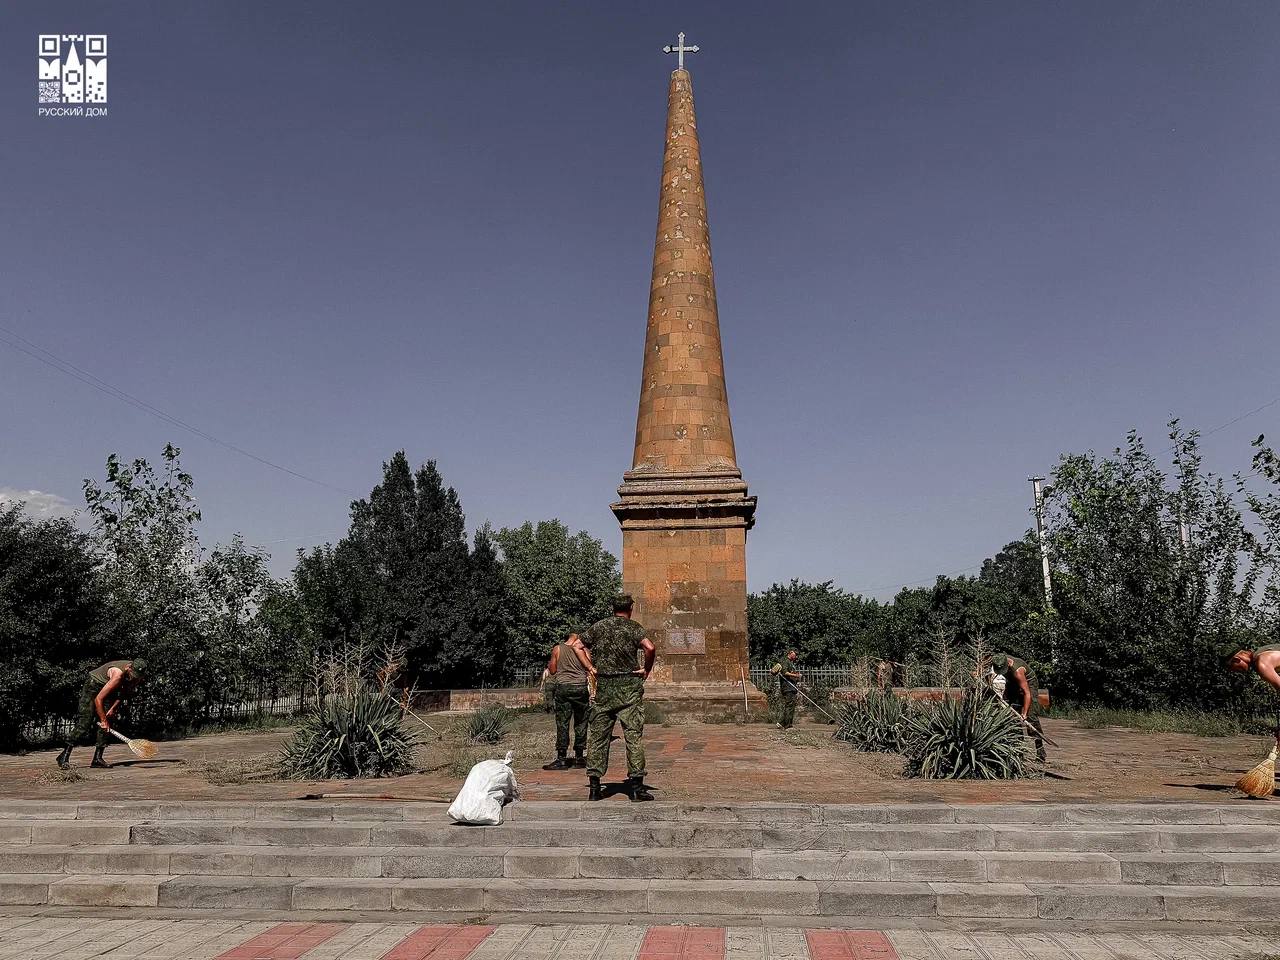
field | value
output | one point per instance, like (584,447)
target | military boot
(579,760)
(638,790)
(98,761)
(593,792)
(64,758)
(559,763)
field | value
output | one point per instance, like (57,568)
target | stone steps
(966,864)
(617,810)
(689,834)
(647,863)
(664,898)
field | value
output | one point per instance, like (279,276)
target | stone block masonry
(683,506)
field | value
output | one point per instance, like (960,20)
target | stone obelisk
(683,505)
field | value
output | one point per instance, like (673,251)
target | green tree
(144,527)
(1141,614)
(404,576)
(822,623)
(55,621)
(557,582)
(245,656)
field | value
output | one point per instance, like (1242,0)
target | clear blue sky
(951,240)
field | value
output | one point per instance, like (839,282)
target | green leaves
(977,738)
(1154,572)
(404,575)
(355,734)
(874,724)
(490,724)
(558,583)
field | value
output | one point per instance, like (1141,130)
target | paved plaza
(83,938)
(688,761)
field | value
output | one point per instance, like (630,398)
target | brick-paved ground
(86,938)
(697,762)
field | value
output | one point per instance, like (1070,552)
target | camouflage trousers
(620,699)
(571,707)
(787,709)
(86,729)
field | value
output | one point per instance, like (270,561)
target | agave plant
(490,724)
(977,738)
(874,724)
(354,734)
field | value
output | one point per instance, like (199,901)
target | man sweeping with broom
(1265,662)
(107,686)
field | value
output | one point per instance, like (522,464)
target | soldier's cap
(1228,651)
(138,667)
(1001,658)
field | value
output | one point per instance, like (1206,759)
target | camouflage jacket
(613,643)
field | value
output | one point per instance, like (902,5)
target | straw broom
(144,748)
(1260,782)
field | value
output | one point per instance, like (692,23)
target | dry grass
(803,738)
(59,775)
(455,754)
(235,771)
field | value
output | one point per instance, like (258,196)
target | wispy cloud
(39,504)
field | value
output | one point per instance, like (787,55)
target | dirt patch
(686,761)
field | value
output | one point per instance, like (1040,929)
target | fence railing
(239,703)
(858,674)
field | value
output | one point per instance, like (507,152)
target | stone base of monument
(690,700)
(714,700)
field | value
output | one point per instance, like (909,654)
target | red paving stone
(287,941)
(683,943)
(439,943)
(849,945)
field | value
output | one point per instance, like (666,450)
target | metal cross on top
(680,50)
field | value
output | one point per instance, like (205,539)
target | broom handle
(1027,728)
(118,735)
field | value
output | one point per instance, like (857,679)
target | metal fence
(844,675)
(244,701)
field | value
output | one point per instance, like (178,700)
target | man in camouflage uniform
(788,689)
(105,689)
(1021,693)
(611,646)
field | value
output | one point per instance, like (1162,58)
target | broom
(1261,780)
(140,748)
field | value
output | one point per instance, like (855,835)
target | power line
(927,580)
(1234,420)
(50,359)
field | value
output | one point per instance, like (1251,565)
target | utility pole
(1038,495)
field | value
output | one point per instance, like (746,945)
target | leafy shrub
(874,724)
(490,724)
(353,734)
(977,738)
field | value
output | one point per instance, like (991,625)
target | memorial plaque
(686,640)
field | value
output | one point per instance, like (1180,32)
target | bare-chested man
(1265,662)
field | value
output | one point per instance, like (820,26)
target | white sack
(489,785)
